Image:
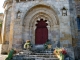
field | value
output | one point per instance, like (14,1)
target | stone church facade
(37,21)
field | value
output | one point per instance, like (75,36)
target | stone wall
(7,31)
(74,11)
(6,25)
(31,20)
(24,15)
(1,20)
(77,6)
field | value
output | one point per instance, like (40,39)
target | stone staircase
(28,55)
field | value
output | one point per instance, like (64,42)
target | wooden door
(41,32)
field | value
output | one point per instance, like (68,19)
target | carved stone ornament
(18,14)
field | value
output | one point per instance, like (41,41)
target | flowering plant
(64,52)
(60,52)
(27,44)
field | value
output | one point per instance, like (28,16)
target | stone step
(28,55)
(36,55)
(48,51)
(41,58)
(34,58)
(51,56)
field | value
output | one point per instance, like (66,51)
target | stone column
(15,31)
(4,45)
(3,27)
(11,25)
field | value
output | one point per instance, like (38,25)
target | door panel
(45,35)
(38,36)
(41,32)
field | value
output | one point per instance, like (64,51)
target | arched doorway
(41,32)
(35,14)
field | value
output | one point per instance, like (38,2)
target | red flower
(64,52)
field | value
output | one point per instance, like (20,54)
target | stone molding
(48,5)
(7,2)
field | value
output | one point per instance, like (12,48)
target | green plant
(0,25)
(10,55)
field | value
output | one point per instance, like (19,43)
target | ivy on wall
(1,25)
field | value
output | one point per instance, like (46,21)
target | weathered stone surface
(43,9)
(4,49)
(22,17)
(1,20)
(70,52)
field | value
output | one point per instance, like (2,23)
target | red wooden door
(41,32)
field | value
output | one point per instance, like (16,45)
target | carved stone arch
(34,20)
(32,16)
(47,5)
(46,11)
(38,17)
(43,15)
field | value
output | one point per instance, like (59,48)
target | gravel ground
(2,57)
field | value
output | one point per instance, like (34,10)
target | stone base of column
(5,49)
(17,47)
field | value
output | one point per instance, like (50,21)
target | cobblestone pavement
(2,57)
